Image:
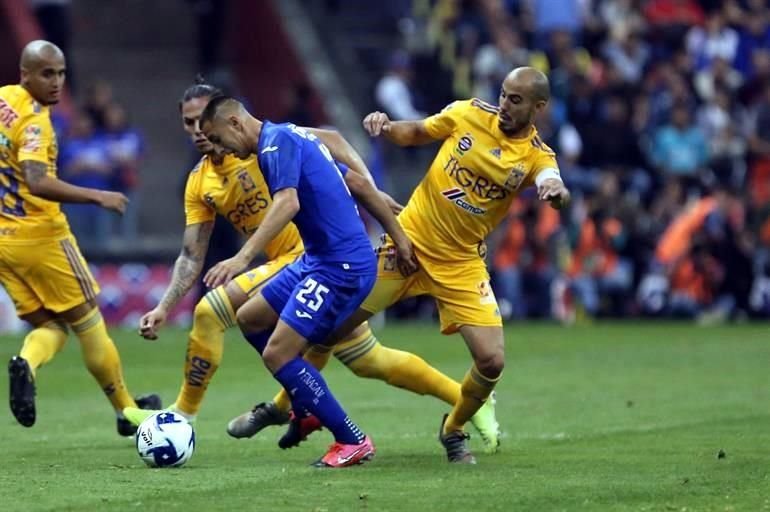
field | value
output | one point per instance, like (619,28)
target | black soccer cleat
(22,391)
(298,431)
(456,445)
(150,402)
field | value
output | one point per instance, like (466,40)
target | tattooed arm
(41,184)
(187,268)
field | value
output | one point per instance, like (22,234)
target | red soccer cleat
(344,455)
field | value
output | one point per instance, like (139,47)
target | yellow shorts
(462,290)
(50,274)
(252,280)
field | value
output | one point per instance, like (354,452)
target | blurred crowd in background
(660,117)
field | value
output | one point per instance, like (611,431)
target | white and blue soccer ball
(165,439)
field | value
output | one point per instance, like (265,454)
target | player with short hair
(41,267)
(488,156)
(306,301)
(236,190)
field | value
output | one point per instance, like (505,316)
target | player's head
(225,122)
(43,70)
(191,106)
(523,94)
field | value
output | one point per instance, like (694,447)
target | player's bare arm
(555,192)
(369,196)
(402,133)
(187,268)
(344,152)
(41,184)
(285,206)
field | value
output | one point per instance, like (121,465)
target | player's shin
(310,392)
(318,356)
(42,343)
(102,359)
(212,316)
(474,390)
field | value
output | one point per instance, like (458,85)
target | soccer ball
(165,439)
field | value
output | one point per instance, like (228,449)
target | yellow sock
(213,314)
(102,359)
(475,389)
(318,356)
(369,359)
(42,343)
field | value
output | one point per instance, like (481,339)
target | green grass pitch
(604,417)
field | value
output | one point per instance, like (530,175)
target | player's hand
(554,191)
(405,258)
(224,271)
(114,201)
(394,205)
(377,123)
(151,322)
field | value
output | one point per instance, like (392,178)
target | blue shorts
(315,300)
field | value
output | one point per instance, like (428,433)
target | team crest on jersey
(464,144)
(247,184)
(209,201)
(515,178)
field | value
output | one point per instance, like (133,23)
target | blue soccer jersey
(328,219)
(338,270)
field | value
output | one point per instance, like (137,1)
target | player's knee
(491,365)
(205,317)
(274,358)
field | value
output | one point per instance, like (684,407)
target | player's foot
(146,406)
(299,429)
(250,423)
(486,424)
(456,445)
(22,391)
(343,455)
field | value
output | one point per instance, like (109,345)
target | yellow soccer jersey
(470,184)
(26,134)
(236,190)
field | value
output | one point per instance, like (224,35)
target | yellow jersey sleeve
(544,158)
(34,138)
(195,208)
(444,124)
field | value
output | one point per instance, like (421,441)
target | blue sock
(309,391)
(258,340)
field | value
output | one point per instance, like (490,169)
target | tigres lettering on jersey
(236,190)
(26,134)
(473,179)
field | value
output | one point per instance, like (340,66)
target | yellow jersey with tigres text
(470,184)
(26,134)
(236,190)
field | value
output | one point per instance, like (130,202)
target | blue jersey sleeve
(281,159)
(342,167)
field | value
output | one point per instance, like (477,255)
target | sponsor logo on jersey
(468,179)
(464,144)
(244,178)
(7,114)
(456,195)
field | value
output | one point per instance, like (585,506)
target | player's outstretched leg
(213,314)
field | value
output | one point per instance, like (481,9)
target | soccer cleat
(299,429)
(250,423)
(344,455)
(486,424)
(146,406)
(456,445)
(22,391)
